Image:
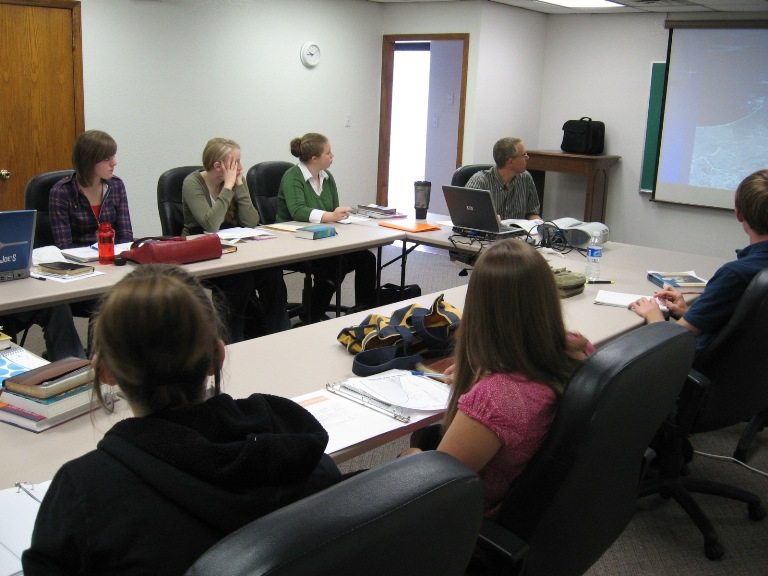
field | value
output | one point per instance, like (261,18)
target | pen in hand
(435,375)
(600,282)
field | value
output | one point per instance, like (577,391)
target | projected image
(715,129)
(723,154)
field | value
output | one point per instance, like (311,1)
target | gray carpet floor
(660,540)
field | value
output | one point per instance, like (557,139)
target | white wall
(163,77)
(600,66)
(443,117)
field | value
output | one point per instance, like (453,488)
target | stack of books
(38,399)
(377,212)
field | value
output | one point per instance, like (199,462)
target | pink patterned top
(519,411)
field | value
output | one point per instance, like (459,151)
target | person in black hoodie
(165,485)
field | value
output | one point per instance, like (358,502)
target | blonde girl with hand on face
(215,198)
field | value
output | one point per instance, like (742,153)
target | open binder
(18,510)
(396,393)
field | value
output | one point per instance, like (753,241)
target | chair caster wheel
(713,550)
(756,512)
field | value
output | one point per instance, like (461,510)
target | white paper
(403,389)
(238,233)
(622,299)
(46,254)
(18,511)
(354,219)
(65,279)
(347,422)
(524,223)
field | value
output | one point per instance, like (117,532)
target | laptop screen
(17,233)
(471,208)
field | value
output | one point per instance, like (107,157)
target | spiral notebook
(16,360)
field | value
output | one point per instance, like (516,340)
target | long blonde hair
(513,322)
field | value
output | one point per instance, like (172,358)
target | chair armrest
(690,400)
(505,544)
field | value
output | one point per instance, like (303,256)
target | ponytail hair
(157,333)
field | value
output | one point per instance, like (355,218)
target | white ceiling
(637,6)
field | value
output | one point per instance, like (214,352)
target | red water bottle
(106,238)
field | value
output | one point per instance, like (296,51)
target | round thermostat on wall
(310,54)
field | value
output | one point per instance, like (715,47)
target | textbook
(377,212)
(64,268)
(688,279)
(51,379)
(36,422)
(316,231)
(49,407)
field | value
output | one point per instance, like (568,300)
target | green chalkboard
(652,127)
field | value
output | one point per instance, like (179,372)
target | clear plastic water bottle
(594,253)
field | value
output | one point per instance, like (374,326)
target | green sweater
(199,212)
(297,198)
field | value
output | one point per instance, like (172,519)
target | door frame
(385,106)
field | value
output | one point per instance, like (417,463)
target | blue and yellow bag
(402,340)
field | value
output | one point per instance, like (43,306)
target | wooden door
(41,91)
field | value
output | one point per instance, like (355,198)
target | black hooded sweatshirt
(160,490)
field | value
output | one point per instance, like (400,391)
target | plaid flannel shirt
(73,222)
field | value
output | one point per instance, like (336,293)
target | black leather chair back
(579,492)
(263,181)
(413,516)
(463,173)
(736,363)
(169,203)
(36,198)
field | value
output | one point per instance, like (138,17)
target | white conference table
(303,360)
(284,249)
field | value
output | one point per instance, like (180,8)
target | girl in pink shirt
(513,361)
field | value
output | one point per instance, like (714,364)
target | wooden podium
(593,167)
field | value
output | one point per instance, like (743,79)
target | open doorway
(423,93)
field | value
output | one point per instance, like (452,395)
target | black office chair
(415,516)
(732,389)
(744,447)
(579,492)
(169,203)
(463,173)
(36,196)
(264,183)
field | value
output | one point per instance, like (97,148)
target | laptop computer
(473,214)
(17,234)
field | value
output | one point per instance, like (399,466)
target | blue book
(316,231)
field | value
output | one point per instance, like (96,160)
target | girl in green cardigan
(308,194)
